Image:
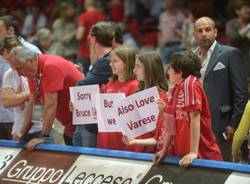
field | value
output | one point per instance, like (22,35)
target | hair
(42,33)
(127,55)
(187,62)
(205,19)
(22,53)
(154,72)
(238,4)
(104,33)
(118,33)
(10,21)
(9,42)
(64,7)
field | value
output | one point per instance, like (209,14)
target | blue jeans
(170,49)
(82,137)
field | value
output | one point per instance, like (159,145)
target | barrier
(54,164)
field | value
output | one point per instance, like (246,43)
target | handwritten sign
(138,113)
(107,120)
(83,100)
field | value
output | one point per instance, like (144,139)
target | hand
(230,132)
(237,157)
(34,142)
(161,104)
(126,141)
(79,67)
(187,160)
(71,106)
(158,157)
(18,136)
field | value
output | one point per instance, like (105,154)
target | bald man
(224,81)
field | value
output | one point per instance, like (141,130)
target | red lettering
(108,104)
(139,123)
(145,101)
(82,113)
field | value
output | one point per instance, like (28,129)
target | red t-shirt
(180,144)
(87,19)
(57,75)
(149,149)
(113,140)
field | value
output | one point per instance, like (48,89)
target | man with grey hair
(43,39)
(10,26)
(49,79)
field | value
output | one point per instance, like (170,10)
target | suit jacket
(225,84)
(99,74)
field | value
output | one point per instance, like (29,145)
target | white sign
(96,170)
(107,120)
(236,178)
(138,113)
(6,156)
(83,100)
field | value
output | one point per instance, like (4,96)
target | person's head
(118,41)
(67,10)
(205,32)
(24,61)
(182,64)
(242,9)
(149,71)
(7,43)
(122,62)
(102,33)
(101,37)
(91,4)
(44,38)
(9,26)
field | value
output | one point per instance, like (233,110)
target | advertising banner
(37,167)
(58,167)
(6,156)
(96,170)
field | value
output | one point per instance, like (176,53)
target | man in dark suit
(224,81)
(101,37)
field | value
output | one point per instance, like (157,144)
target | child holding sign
(149,71)
(122,61)
(187,107)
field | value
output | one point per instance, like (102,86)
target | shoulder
(229,51)
(30,46)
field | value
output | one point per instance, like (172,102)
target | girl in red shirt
(122,61)
(186,131)
(149,71)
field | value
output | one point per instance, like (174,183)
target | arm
(11,99)
(194,139)
(161,154)
(79,33)
(235,34)
(239,91)
(27,119)
(49,114)
(241,131)
(144,142)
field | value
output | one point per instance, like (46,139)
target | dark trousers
(5,130)
(67,140)
(226,150)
